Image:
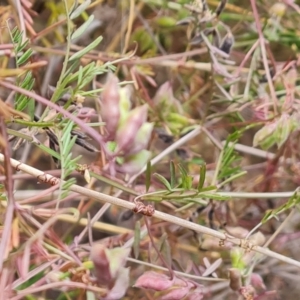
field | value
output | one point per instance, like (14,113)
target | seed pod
(220,7)
(227,43)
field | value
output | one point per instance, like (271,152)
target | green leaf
(31,108)
(186,180)
(82,28)
(20,48)
(165,21)
(202,174)
(268,215)
(23,59)
(68,184)
(73,7)
(21,102)
(87,49)
(214,196)
(27,79)
(164,181)
(173,175)
(17,35)
(49,151)
(80,9)
(182,170)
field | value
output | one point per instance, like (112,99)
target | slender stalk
(102,198)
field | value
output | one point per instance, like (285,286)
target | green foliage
(77,11)
(229,159)
(180,188)
(25,81)
(68,164)
(291,203)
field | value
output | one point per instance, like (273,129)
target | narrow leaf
(82,28)
(31,108)
(182,170)
(164,181)
(22,102)
(21,47)
(202,174)
(172,173)
(24,57)
(80,9)
(84,51)
(49,151)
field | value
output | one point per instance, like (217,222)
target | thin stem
(31,124)
(99,197)
(264,54)
(186,275)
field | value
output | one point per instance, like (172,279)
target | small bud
(134,163)
(142,138)
(110,110)
(56,276)
(164,95)
(126,134)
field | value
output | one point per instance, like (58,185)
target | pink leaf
(154,281)
(101,264)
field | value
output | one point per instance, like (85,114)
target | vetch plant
(127,132)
